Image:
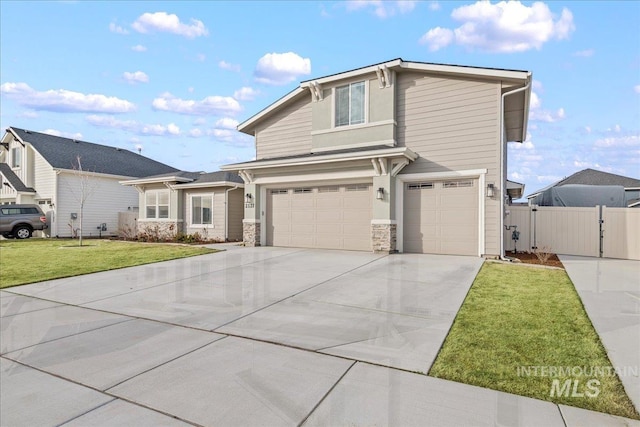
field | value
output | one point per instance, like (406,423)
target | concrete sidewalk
(610,293)
(253,336)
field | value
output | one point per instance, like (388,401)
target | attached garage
(441,217)
(324,217)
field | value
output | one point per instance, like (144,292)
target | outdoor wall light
(380,193)
(248,198)
(491,190)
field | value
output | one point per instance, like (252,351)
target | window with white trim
(350,104)
(157,204)
(202,210)
(16,157)
(458,184)
(419,185)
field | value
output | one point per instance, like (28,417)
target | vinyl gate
(597,231)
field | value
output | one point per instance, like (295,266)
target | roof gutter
(503,181)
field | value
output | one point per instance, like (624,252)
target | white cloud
(434,5)
(629,141)
(587,129)
(114,28)
(382,8)
(281,68)
(211,105)
(636,88)
(195,133)
(169,23)
(134,126)
(56,132)
(504,27)
(549,178)
(227,123)
(584,53)
(139,48)
(228,66)
(135,77)
(199,121)
(62,100)
(245,94)
(537,113)
(437,38)
(201,57)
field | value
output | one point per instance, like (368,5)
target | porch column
(251,221)
(384,224)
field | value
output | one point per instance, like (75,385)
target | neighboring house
(515,190)
(210,204)
(42,169)
(397,156)
(629,188)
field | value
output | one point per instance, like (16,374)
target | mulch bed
(530,258)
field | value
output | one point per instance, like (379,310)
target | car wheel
(22,232)
(7,236)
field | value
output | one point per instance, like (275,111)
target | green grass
(35,260)
(518,316)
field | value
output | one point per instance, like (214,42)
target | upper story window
(157,203)
(350,104)
(202,210)
(16,157)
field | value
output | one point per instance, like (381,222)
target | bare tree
(82,189)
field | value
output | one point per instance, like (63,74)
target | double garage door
(326,217)
(441,217)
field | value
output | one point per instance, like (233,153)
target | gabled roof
(593,177)
(61,153)
(398,63)
(14,180)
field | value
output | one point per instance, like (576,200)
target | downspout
(226,212)
(502,160)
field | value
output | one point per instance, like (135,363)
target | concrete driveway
(610,293)
(250,336)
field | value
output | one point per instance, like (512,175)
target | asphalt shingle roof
(14,179)
(593,177)
(197,177)
(61,153)
(321,153)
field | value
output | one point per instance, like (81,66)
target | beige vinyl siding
(45,182)
(287,132)
(236,214)
(453,124)
(215,230)
(103,205)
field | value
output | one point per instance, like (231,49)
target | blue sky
(174,78)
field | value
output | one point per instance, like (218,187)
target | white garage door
(327,217)
(441,217)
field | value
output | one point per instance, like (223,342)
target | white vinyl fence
(596,231)
(128,224)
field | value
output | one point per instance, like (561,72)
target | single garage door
(441,217)
(327,217)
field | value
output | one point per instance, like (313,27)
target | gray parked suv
(20,221)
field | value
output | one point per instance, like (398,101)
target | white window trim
(17,149)
(190,219)
(402,179)
(366,106)
(157,205)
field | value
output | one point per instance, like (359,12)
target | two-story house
(397,156)
(43,169)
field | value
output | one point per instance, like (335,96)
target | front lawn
(36,260)
(524,330)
